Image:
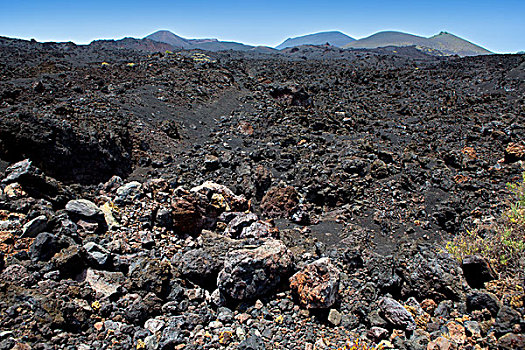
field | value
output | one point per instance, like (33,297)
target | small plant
(358,344)
(503,244)
(516,213)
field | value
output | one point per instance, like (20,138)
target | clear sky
(497,25)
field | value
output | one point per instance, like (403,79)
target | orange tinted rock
(316,284)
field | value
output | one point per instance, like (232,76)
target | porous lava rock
(252,273)
(317,284)
(279,201)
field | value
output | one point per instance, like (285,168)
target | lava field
(237,200)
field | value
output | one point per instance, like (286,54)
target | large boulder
(202,265)
(86,152)
(186,216)
(396,314)
(477,271)
(221,197)
(31,181)
(317,284)
(251,273)
(104,283)
(427,274)
(87,214)
(483,300)
(280,202)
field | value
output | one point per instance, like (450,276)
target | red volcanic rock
(316,284)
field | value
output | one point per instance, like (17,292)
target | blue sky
(497,25)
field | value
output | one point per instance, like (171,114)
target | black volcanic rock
(477,271)
(63,151)
(145,44)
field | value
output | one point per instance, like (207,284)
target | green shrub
(502,243)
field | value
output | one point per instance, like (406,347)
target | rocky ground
(192,200)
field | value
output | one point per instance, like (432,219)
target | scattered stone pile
(170,268)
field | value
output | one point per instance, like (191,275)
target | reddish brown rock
(441,343)
(245,128)
(187,216)
(512,341)
(316,284)
(456,332)
(280,201)
(514,152)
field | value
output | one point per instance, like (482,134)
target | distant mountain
(444,43)
(264,49)
(437,45)
(165,36)
(220,46)
(451,44)
(333,38)
(132,44)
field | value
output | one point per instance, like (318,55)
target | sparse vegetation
(358,344)
(502,243)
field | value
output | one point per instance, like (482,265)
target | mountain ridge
(444,42)
(167,37)
(334,38)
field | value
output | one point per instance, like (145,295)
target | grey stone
(164,218)
(240,222)
(252,343)
(97,255)
(84,208)
(129,189)
(250,273)
(378,333)
(472,328)
(334,317)
(103,282)
(170,337)
(17,170)
(396,314)
(34,227)
(44,247)
(506,319)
